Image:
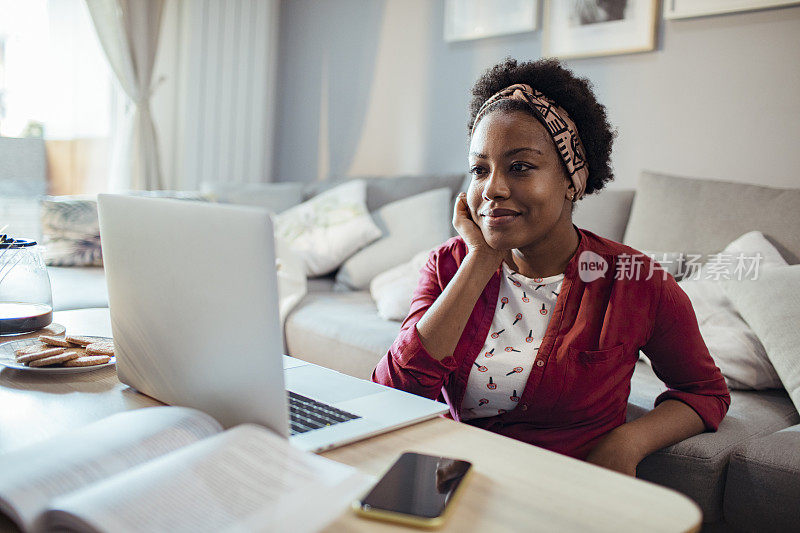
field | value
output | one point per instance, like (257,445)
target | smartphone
(417,490)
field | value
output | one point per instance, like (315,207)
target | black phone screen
(418,485)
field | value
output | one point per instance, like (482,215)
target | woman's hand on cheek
(471,232)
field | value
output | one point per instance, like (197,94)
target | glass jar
(26,301)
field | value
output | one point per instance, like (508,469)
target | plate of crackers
(58,353)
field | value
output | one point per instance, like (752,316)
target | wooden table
(515,486)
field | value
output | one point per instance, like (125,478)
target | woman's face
(520,190)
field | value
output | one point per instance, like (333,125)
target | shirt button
(524,407)
(539,363)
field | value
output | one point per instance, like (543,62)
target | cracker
(54,341)
(100,348)
(41,354)
(55,359)
(80,340)
(88,360)
(32,348)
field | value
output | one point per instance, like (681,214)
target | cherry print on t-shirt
(482,401)
(538,287)
(514,397)
(491,385)
(497,333)
(503,302)
(517,319)
(529,338)
(490,353)
(517,370)
(525,298)
(554,292)
(543,310)
(515,282)
(501,411)
(511,349)
(537,280)
(481,368)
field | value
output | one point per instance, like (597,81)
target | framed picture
(684,9)
(588,28)
(475,19)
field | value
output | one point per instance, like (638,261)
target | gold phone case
(413,520)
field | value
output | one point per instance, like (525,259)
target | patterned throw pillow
(329,228)
(71,231)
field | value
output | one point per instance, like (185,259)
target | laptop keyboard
(306,414)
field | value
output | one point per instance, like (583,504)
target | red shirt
(580,382)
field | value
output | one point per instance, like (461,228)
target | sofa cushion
(320,284)
(276,197)
(605,213)
(771,306)
(393,290)
(736,349)
(383,190)
(329,228)
(762,492)
(339,330)
(697,466)
(78,287)
(672,214)
(409,226)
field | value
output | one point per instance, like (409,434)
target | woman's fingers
(461,213)
(461,205)
(466,227)
(470,231)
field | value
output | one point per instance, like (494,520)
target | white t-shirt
(500,372)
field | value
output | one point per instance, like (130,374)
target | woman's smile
(499,216)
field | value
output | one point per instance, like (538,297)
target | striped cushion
(71,231)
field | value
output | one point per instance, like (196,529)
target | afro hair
(572,93)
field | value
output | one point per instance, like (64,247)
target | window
(55,83)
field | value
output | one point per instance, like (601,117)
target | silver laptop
(192,291)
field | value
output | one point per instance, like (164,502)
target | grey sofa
(746,476)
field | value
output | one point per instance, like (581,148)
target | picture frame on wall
(684,9)
(591,28)
(475,19)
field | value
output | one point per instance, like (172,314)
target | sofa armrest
(763,486)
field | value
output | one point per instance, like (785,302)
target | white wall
(719,98)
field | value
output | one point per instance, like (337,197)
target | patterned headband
(560,127)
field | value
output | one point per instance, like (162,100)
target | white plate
(9,359)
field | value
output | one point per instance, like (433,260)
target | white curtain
(128,31)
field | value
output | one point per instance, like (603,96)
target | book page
(31,477)
(245,479)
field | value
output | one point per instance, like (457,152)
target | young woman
(529,326)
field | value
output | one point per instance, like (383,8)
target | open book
(172,469)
